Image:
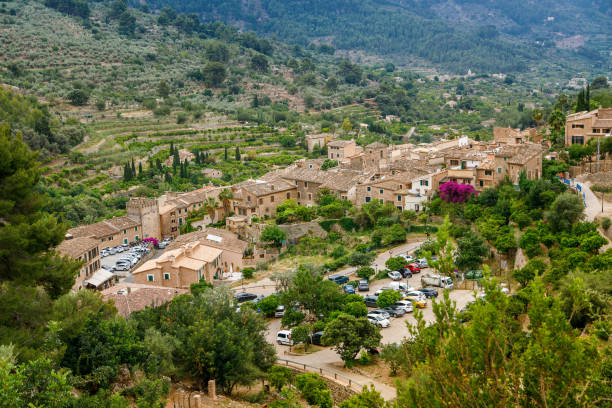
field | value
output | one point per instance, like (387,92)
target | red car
(414,268)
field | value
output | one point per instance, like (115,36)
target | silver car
(379,320)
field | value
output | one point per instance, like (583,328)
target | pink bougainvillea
(151,240)
(453,192)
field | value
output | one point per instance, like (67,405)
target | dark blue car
(339,279)
(349,289)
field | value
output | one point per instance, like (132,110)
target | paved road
(327,359)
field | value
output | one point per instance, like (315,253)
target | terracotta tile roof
(262,187)
(122,222)
(191,256)
(306,174)
(229,241)
(98,230)
(139,297)
(376,145)
(76,247)
(343,180)
(340,143)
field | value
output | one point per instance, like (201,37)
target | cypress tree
(226,154)
(176,158)
(237,154)
(587,98)
(158,164)
(126,172)
(140,169)
(171,149)
(167,177)
(133,168)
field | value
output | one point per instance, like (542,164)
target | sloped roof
(132,297)
(76,247)
(229,240)
(262,187)
(340,143)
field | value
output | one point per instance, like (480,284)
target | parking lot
(398,328)
(111,260)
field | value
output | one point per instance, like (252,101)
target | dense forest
(425,30)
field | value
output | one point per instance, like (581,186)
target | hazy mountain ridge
(454,35)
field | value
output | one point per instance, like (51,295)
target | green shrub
(314,390)
(365,272)
(348,224)
(247,273)
(327,224)
(279,376)
(605,223)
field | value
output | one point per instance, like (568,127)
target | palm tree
(225,196)
(537,115)
(556,121)
(210,206)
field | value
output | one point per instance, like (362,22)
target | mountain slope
(423,29)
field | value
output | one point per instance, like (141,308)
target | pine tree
(237,154)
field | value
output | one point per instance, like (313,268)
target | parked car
(339,279)
(112,251)
(380,312)
(122,266)
(316,338)
(429,292)
(405,272)
(363,285)
(398,286)
(349,289)
(414,268)
(379,320)
(422,263)
(381,290)
(394,312)
(284,337)
(416,294)
(405,305)
(408,258)
(418,303)
(395,275)
(370,300)
(108,268)
(280,311)
(244,297)
(103,253)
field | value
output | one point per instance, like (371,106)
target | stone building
(181,267)
(233,248)
(341,149)
(82,249)
(582,126)
(261,197)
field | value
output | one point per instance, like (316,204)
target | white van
(284,337)
(397,286)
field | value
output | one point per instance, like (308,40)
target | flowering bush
(453,192)
(151,240)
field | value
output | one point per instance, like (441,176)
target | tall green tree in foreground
(31,272)
(493,361)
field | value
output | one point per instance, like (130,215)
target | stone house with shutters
(583,126)
(84,249)
(181,267)
(260,198)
